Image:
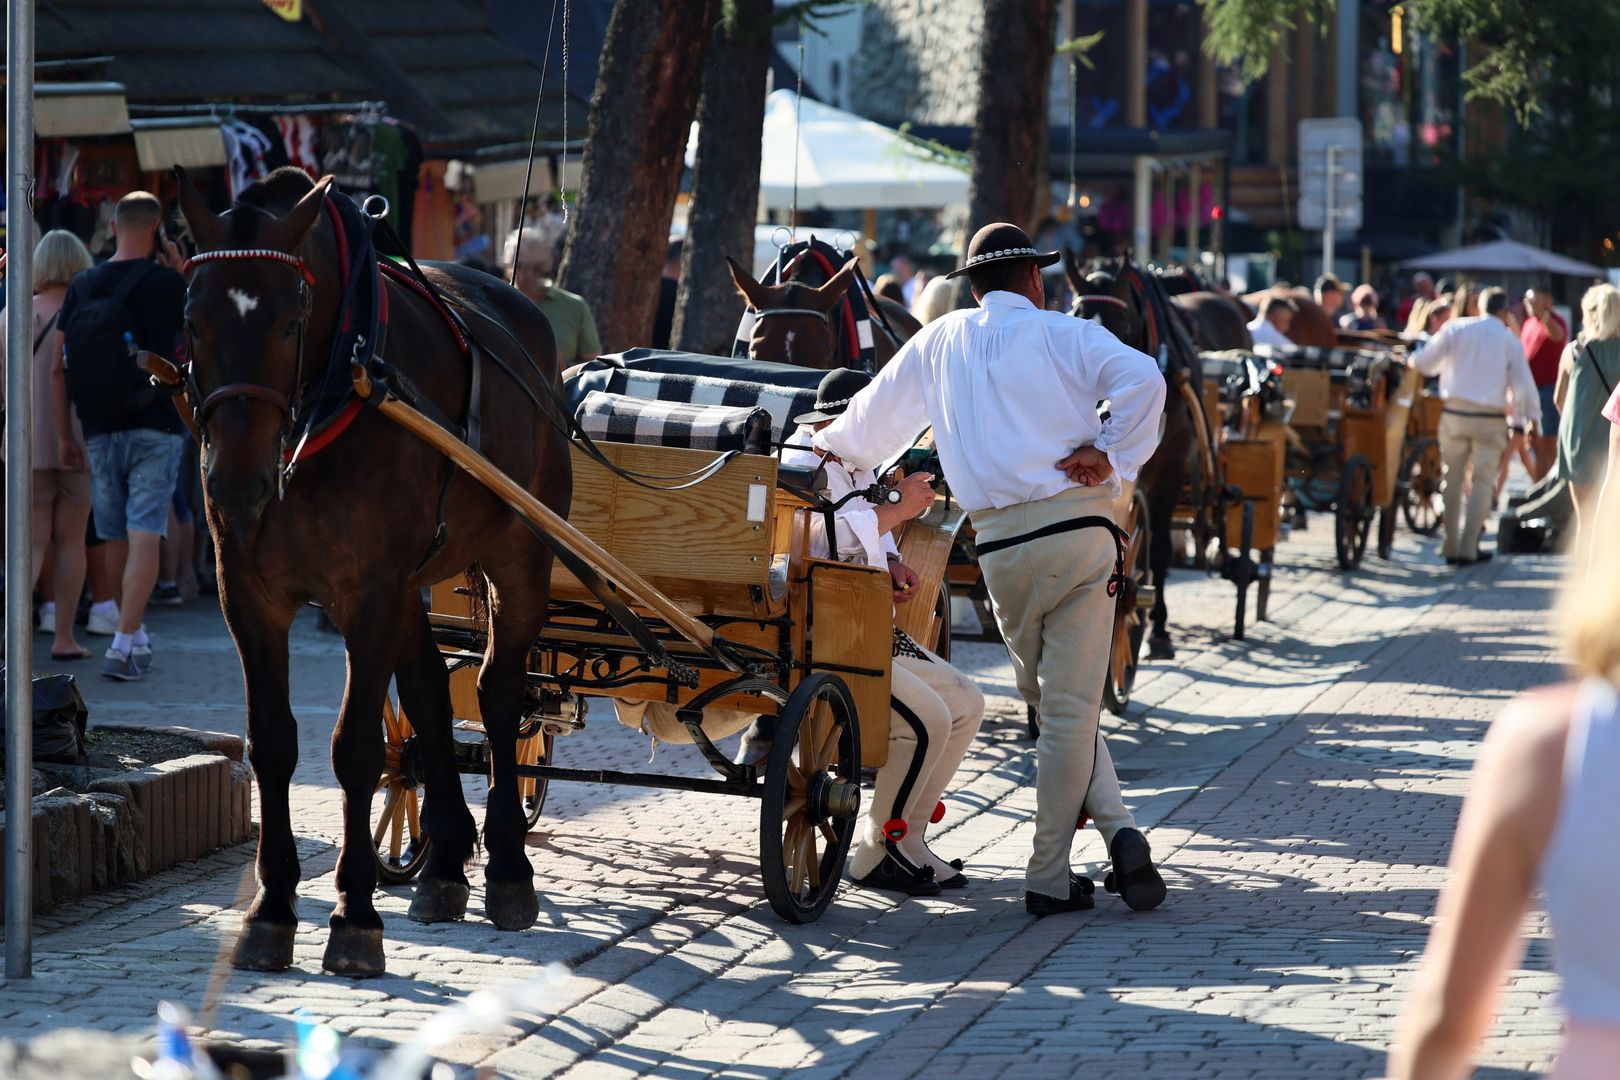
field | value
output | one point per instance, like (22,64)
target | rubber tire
(790,905)
(396,729)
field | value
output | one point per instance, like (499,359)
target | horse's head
(257,327)
(1108,296)
(793,322)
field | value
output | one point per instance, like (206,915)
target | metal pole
(19,489)
(1332,211)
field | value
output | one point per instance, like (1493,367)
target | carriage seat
(723,428)
(782,390)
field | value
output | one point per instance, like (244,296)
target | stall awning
(498,180)
(160,145)
(64,110)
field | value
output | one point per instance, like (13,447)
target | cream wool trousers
(1477,441)
(935,713)
(1053,608)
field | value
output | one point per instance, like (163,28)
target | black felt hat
(999,241)
(832,396)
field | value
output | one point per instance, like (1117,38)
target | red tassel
(1081,824)
(895,830)
(938,814)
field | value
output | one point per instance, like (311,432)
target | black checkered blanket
(725,428)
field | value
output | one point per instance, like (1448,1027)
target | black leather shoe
(1452,560)
(891,875)
(1079,899)
(1484,556)
(957,880)
(1134,876)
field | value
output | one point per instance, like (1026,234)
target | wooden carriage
(807,641)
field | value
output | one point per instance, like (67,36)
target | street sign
(1330,147)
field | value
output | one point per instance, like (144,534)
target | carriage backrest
(617,418)
(782,390)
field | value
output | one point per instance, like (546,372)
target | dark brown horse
(805,320)
(1133,306)
(353,531)
(1219,321)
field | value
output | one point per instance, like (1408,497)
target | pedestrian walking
(935,710)
(61,483)
(530,252)
(1539,816)
(1416,304)
(1544,334)
(1363,314)
(134,301)
(1588,373)
(1483,374)
(1011,392)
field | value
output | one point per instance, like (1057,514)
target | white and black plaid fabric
(619,418)
(783,403)
(863,356)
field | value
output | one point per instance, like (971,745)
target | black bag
(59,718)
(100,345)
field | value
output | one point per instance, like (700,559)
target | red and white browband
(242,254)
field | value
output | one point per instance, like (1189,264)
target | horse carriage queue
(764,544)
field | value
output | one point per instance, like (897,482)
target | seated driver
(935,709)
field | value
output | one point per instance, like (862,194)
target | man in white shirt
(1483,376)
(935,709)
(1276,318)
(1011,392)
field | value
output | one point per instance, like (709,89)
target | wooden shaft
(168,374)
(545,519)
(1206,449)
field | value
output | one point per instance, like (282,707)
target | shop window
(1409,89)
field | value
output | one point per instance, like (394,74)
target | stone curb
(217,741)
(129,827)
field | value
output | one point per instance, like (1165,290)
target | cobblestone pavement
(1300,789)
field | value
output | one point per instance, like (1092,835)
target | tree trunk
(725,179)
(1010,128)
(635,147)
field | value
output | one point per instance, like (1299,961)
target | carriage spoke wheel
(811,799)
(1130,611)
(533,750)
(1353,513)
(397,839)
(1420,474)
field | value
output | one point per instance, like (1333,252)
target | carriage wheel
(942,612)
(812,798)
(1353,512)
(1130,616)
(397,839)
(1420,475)
(533,750)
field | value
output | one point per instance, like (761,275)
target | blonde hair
(1600,313)
(57,257)
(940,296)
(1589,607)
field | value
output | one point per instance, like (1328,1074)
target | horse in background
(1133,305)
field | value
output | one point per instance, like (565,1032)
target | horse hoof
(511,905)
(1159,648)
(264,946)
(354,951)
(437,900)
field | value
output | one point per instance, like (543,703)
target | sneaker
(141,655)
(102,625)
(120,666)
(47,622)
(167,595)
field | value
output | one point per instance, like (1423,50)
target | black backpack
(100,345)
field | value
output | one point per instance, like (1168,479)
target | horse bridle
(284,403)
(761,313)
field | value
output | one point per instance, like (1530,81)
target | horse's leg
(1159,644)
(424,690)
(372,629)
(259,628)
(517,615)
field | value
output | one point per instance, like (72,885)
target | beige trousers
(1464,441)
(1054,611)
(935,713)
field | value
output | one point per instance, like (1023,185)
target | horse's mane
(271,195)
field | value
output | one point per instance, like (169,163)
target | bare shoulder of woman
(1520,770)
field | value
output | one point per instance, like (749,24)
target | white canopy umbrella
(1504,257)
(846,162)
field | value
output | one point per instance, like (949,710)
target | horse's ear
(207,227)
(830,293)
(1071,270)
(752,291)
(290,231)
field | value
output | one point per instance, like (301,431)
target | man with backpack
(135,300)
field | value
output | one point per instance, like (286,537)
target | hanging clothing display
(346,154)
(245,150)
(300,137)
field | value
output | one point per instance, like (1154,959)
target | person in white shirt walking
(1276,318)
(1484,377)
(935,710)
(1011,392)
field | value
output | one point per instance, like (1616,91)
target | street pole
(19,491)
(1332,210)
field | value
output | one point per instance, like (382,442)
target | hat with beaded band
(998,241)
